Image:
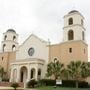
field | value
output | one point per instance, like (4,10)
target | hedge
(65,83)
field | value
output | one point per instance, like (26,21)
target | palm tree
(77,71)
(2,72)
(55,69)
(88,66)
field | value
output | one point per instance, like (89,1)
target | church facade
(29,60)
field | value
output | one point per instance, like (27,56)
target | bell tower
(73,27)
(10,41)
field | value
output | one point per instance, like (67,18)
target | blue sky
(41,17)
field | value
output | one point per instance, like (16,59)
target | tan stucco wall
(61,51)
(7,58)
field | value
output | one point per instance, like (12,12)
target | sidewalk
(7,88)
(10,88)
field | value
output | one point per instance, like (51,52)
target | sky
(43,18)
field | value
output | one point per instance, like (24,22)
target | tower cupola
(10,41)
(74,26)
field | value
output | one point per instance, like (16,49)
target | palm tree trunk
(77,84)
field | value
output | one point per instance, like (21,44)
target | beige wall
(5,59)
(89,53)
(61,51)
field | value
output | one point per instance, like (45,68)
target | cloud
(42,17)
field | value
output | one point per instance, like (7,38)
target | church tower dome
(74,26)
(11,30)
(10,41)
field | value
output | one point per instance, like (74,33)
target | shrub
(31,83)
(83,84)
(5,79)
(47,82)
(68,83)
(65,83)
(15,85)
(71,83)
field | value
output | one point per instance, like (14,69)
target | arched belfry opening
(5,37)
(70,21)
(4,46)
(13,48)
(70,35)
(14,38)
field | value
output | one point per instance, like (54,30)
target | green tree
(2,72)
(88,67)
(55,69)
(78,71)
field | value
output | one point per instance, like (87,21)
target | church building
(29,60)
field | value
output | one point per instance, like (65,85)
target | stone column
(11,75)
(36,73)
(28,76)
(18,74)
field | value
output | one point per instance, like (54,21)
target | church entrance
(23,74)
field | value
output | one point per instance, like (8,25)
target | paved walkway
(10,88)
(5,88)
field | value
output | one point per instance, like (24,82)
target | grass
(59,88)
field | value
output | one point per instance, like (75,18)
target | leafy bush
(68,83)
(31,83)
(5,79)
(65,83)
(47,82)
(71,83)
(83,84)
(15,85)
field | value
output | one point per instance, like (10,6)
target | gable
(40,48)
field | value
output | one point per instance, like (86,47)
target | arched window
(5,37)
(70,21)
(14,37)
(4,45)
(39,74)
(70,35)
(13,48)
(33,73)
(83,35)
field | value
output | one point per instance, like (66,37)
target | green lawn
(58,88)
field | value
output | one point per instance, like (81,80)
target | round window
(31,51)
